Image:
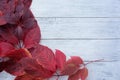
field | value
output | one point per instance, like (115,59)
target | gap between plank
(80,39)
(77,17)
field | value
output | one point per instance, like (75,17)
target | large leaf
(45,57)
(14,66)
(16,55)
(32,67)
(7,34)
(60,59)
(5,48)
(32,37)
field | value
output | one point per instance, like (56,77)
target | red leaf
(24,77)
(80,74)
(32,67)
(27,77)
(5,31)
(60,59)
(76,60)
(14,66)
(27,3)
(32,37)
(45,57)
(30,23)
(5,48)
(2,21)
(16,55)
(3,61)
(72,65)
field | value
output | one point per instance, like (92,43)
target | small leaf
(72,65)
(60,59)
(80,74)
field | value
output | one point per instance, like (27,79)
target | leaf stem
(93,61)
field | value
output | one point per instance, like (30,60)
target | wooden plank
(97,71)
(77,28)
(87,49)
(104,71)
(76,8)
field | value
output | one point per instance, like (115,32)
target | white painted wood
(104,71)
(79,27)
(76,8)
(87,49)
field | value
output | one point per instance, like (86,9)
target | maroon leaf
(27,3)
(5,48)
(32,37)
(3,64)
(5,31)
(14,66)
(60,59)
(32,67)
(2,21)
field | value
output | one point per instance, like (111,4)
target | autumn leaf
(60,59)
(13,65)
(44,57)
(5,48)
(27,77)
(32,37)
(80,74)
(32,67)
(72,65)
(2,21)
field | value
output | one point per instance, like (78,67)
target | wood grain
(87,49)
(76,8)
(79,28)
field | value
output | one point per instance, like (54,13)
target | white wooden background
(86,28)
